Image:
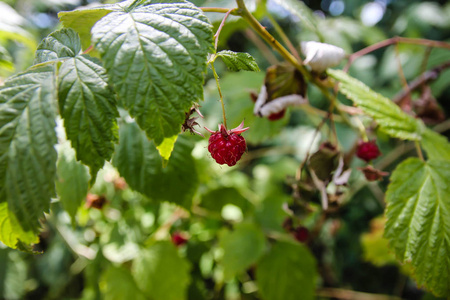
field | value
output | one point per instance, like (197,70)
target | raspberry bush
(112,186)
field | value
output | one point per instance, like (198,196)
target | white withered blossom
(320,56)
(264,109)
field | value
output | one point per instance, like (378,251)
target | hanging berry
(367,150)
(227,146)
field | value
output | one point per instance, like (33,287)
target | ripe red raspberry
(179,239)
(227,146)
(301,234)
(367,150)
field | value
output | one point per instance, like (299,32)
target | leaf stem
(219,10)
(391,41)
(216,36)
(419,151)
(220,94)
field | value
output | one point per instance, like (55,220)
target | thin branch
(350,295)
(219,10)
(391,41)
(421,80)
(216,36)
(400,69)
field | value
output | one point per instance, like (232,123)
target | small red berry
(277,116)
(367,150)
(179,239)
(301,234)
(227,146)
(95,201)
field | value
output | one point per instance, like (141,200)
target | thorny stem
(395,40)
(220,94)
(216,36)
(284,37)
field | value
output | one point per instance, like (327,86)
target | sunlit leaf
(10,230)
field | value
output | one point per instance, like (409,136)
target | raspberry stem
(220,94)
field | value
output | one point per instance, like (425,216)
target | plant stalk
(220,94)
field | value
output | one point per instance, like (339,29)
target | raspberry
(227,146)
(301,234)
(367,150)
(179,239)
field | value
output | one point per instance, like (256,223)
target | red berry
(367,150)
(277,116)
(179,239)
(301,234)
(227,146)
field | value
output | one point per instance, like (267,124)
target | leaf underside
(418,220)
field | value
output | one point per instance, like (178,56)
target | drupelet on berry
(367,150)
(227,146)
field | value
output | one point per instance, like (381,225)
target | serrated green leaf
(166,147)
(303,12)
(287,272)
(156,55)
(86,101)
(88,107)
(82,20)
(27,153)
(161,273)
(11,232)
(73,181)
(138,161)
(418,220)
(437,146)
(242,248)
(63,43)
(386,113)
(237,61)
(118,284)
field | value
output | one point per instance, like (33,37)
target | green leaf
(156,55)
(418,220)
(11,232)
(73,181)
(287,272)
(27,153)
(166,147)
(86,101)
(82,20)
(386,113)
(59,44)
(6,61)
(303,12)
(215,200)
(138,161)
(118,284)
(237,61)
(436,145)
(161,273)
(242,248)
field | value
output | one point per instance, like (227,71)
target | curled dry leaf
(321,56)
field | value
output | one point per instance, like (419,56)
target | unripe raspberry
(227,146)
(367,150)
